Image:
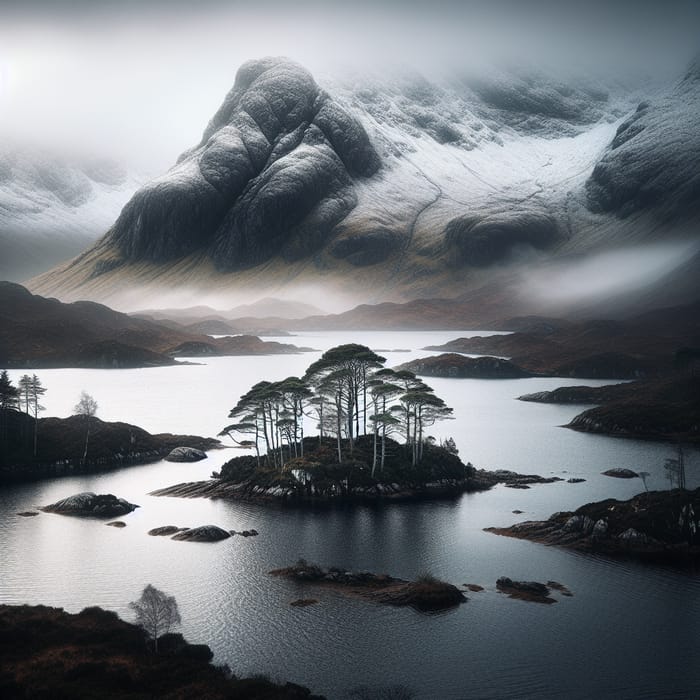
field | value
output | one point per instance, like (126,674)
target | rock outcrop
(185,454)
(653,162)
(273,174)
(654,526)
(203,533)
(92,505)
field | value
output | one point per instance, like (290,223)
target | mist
(138,81)
(605,277)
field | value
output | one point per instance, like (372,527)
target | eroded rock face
(485,241)
(90,504)
(272,175)
(654,159)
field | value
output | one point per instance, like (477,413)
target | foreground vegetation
(46,652)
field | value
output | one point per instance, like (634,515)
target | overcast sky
(142,78)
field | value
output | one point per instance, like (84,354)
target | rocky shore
(250,490)
(655,526)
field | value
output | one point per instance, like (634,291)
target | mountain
(394,187)
(52,207)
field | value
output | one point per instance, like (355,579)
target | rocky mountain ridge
(398,189)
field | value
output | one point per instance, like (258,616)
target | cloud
(141,78)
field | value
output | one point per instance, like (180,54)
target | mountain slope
(387,188)
(52,207)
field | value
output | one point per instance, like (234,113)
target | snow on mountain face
(52,207)
(654,159)
(384,187)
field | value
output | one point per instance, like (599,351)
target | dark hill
(641,346)
(39,332)
(61,444)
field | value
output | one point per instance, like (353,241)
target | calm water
(628,632)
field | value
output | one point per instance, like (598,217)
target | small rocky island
(654,526)
(88,504)
(427,593)
(461,367)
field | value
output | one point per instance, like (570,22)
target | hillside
(39,332)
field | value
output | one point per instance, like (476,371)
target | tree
(33,391)
(675,469)
(8,402)
(156,613)
(86,407)
(348,368)
(8,392)
(643,476)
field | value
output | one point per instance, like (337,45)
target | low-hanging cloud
(605,276)
(141,79)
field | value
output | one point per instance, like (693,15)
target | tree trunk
(87,439)
(36,431)
(374,449)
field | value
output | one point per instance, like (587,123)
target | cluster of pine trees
(24,397)
(349,393)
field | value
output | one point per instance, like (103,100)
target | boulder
(185,454)
(93,505)
(203,533)
(165,530)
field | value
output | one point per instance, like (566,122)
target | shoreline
(443,489)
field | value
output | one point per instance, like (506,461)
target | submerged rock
(533,591)
(619,473)
(185,454)
(90,504)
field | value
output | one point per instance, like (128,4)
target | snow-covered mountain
(397,186)
(52,207)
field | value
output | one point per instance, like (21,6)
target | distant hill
(40,332)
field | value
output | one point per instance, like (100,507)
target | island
(362,408)
(426,593)
(655,526)
(458,366)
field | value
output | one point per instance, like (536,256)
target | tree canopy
(349,393)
